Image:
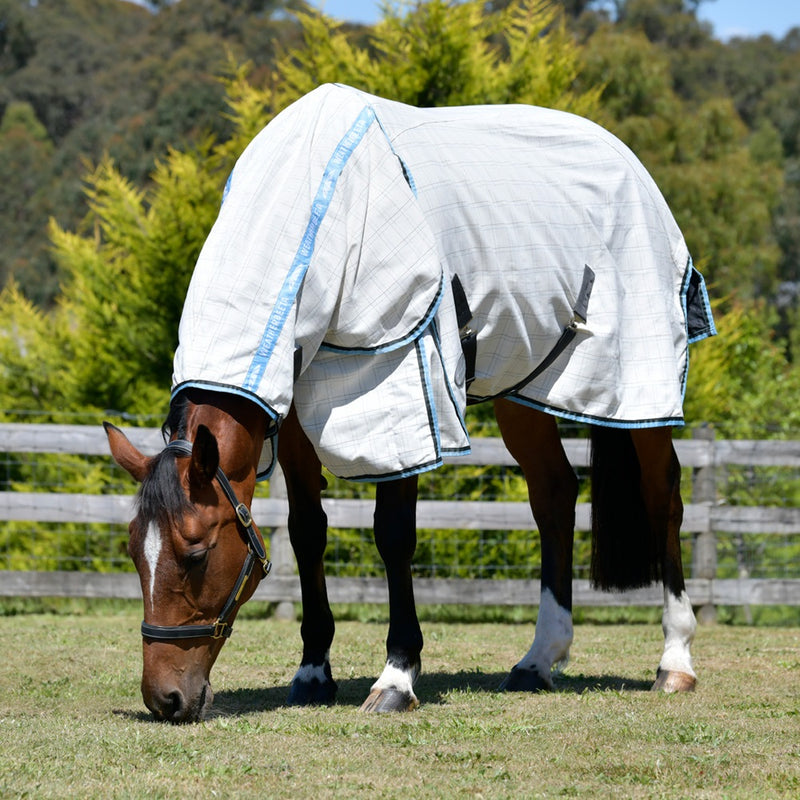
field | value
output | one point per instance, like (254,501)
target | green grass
(72,723)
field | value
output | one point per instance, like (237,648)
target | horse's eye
(195,558)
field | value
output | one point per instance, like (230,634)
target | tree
(672,23)
(445,53)
(721,195)
(109,77)
(740,380)
(26,155)
(17,45)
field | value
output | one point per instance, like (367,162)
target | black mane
(175,423)
(161,498)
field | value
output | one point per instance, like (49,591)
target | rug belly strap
(579,316)
(469,337)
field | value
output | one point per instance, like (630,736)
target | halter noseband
(221,628)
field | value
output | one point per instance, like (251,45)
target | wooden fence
(703,518)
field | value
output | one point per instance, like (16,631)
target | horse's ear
(125,454)
(205,456)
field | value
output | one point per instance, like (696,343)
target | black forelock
(161,498)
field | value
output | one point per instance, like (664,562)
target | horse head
(198,554)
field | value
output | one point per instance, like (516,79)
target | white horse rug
(360,240)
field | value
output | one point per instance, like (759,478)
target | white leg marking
(311,672)
(152,550)
(552,639)
(678,624)
(394,678)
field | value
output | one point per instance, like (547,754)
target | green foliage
(669,22)
(444,53)
(25,341)
(124,247)
(126,268)
(634,76)
(721,194)
(109,77)
(108,343)
(740,380)
(61,546)
(26,154)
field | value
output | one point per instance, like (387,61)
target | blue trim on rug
(395,344)
(226,388)
(393,476)
(450,393)
(588,419)
(711,329)
(297,272)
(430,403)
(708,330)
(687,279)
(406,170)
(227,188)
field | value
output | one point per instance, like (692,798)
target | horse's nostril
(169,707)
(174,707)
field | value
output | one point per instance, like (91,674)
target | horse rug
(381,266)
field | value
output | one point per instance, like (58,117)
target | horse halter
(221,628)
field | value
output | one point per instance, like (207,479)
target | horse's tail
(625,549)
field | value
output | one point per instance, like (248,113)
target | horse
(292,346)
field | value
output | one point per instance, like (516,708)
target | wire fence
(94,546)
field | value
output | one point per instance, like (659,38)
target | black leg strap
(469,337)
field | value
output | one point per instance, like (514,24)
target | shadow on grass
(133,716)
(578,684)
(441,684)
(432,688)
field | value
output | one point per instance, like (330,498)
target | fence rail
(703,519)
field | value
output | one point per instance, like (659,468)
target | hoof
(525,680)
(312,693)
(671,681)
(386,700)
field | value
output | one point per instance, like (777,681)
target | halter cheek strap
(256,552)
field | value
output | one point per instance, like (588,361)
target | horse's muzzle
(171,704)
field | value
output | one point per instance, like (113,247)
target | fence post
(280,548)
(704,546)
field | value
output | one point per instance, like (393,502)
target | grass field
(72,723)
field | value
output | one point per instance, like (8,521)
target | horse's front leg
(313,683)
(396,539)
(660,485)
(533,440)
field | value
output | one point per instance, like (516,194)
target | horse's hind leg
(660,485)
(396,538)
(533,440)
(312,683)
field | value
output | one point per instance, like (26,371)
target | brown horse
(375,267)
(191,547)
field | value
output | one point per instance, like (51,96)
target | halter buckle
(222,630)
(243,514)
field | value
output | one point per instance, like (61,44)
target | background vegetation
(119,125)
